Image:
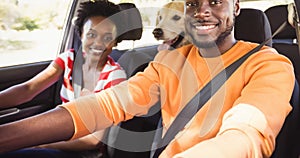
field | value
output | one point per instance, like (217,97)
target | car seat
(276,16)
(252,25)
(126,140)
(284,42)
(288,140)
(132,29)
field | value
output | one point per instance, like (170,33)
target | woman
(97,28)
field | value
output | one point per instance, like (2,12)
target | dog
(170,26)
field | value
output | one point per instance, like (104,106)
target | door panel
(17,74)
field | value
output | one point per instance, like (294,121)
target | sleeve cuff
(80,129)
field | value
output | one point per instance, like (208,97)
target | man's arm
(87,142)
(51,126)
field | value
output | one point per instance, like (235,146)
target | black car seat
(137,59)
(286,43)
(249,28)
(276,16)
(132,138)
(252,25)
(131,30)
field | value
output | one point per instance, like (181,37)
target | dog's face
(170,22)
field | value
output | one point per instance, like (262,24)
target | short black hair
(90,9)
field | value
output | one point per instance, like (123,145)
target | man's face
(210,22)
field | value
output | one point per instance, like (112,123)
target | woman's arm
(29,89)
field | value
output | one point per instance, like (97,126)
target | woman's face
(98,37)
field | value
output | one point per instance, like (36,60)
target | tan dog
(170,26)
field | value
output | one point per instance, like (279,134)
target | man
(241,120)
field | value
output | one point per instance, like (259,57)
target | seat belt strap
(77,74)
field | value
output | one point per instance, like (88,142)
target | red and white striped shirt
(111,74)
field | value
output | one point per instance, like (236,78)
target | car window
(148,10)
(31,30)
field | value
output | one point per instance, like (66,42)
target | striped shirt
(111,74)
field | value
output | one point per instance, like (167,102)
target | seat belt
(201,98)
(77,74)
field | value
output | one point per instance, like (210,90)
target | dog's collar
(174,45)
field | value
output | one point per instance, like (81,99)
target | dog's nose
(158,32)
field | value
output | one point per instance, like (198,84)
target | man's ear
(237,7)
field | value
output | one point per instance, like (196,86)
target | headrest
(252,25)
(277,15)
(132,28)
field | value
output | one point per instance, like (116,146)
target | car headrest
(252,25)
(276,16)
(132,28)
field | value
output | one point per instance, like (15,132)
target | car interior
(284,42)
(252,25)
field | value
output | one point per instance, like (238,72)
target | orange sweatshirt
(241,120)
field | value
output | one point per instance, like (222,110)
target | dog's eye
(176,17)
(191,4)
(159,17)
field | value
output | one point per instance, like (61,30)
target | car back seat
(137,59)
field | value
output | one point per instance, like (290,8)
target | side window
(30,30)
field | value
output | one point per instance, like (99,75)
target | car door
(30,39)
